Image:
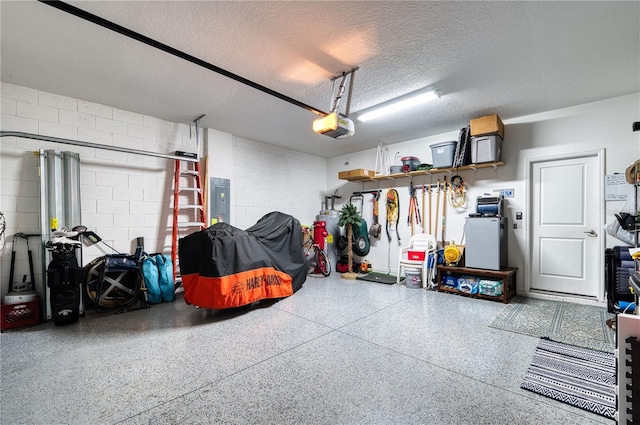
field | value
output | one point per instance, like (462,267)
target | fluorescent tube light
(399,105)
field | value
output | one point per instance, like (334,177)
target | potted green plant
(349,217)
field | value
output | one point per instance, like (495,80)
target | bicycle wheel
(322,262)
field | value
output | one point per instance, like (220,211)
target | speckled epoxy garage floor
(336,352)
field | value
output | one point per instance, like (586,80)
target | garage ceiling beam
(175,52)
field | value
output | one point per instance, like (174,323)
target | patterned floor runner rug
(578,376)
(576,324)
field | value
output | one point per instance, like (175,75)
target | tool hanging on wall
(376,230)
(393,212)
(444,210)
(429,190)
(413,215)
(437,211)
(457,194)
(424,224)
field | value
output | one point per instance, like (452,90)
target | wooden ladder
(192,214)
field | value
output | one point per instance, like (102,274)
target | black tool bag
(63,278)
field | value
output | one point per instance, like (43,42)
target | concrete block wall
(123,195)
(268,178)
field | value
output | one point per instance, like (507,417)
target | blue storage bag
(151,279)
(165,277)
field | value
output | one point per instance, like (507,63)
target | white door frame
(529,163)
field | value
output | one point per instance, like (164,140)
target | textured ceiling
(510,58)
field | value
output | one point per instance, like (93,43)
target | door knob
(591,233)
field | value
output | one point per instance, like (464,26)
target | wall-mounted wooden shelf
(424,172)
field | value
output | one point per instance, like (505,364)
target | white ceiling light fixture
(398,105)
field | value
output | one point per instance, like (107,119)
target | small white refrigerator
(486,243)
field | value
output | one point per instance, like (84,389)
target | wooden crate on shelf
(357,174)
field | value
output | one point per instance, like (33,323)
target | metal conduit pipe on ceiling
(94,145)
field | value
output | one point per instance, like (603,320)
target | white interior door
(566,254)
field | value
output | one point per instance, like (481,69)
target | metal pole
(92,145)
(71,189)
(44,225)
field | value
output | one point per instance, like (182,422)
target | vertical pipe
(70,162)
(53,188)
(44,225)
(71,189)
(52,191)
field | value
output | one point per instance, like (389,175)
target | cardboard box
(490,124)
(357,174)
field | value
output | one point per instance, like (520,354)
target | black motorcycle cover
(224,266)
